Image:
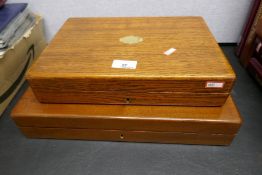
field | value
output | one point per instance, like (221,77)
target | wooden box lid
(79,60)
(86,47)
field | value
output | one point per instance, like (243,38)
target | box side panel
(71,83)
(121,97)
(137,123)
(216,120)
(127,136)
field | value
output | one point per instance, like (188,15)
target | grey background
(22,156)
(225,18)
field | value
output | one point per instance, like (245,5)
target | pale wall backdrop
(225,18)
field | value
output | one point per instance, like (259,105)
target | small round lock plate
(128,100)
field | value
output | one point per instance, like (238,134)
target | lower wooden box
(160,124)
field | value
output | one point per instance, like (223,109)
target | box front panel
(141,92)
(201,120)
(127,136)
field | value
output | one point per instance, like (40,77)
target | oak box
(142,60)
(162,124)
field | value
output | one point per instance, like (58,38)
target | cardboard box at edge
(17,59)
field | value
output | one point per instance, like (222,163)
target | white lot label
(124,64)
(214,84)
(170,51)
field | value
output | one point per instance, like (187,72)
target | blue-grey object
(9,12)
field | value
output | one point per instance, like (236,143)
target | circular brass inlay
(131,39)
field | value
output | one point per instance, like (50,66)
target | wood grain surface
(79,60)
(122,97)
(127,136)
(200,120)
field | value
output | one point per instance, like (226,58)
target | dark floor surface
(23,156)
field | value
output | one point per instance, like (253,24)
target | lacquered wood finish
(153,98)
(127,136)
(78,61)
(58,120)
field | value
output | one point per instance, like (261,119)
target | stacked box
(161,124)
(151,79)
(15,61)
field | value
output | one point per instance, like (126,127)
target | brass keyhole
(128,100)
(121,136)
